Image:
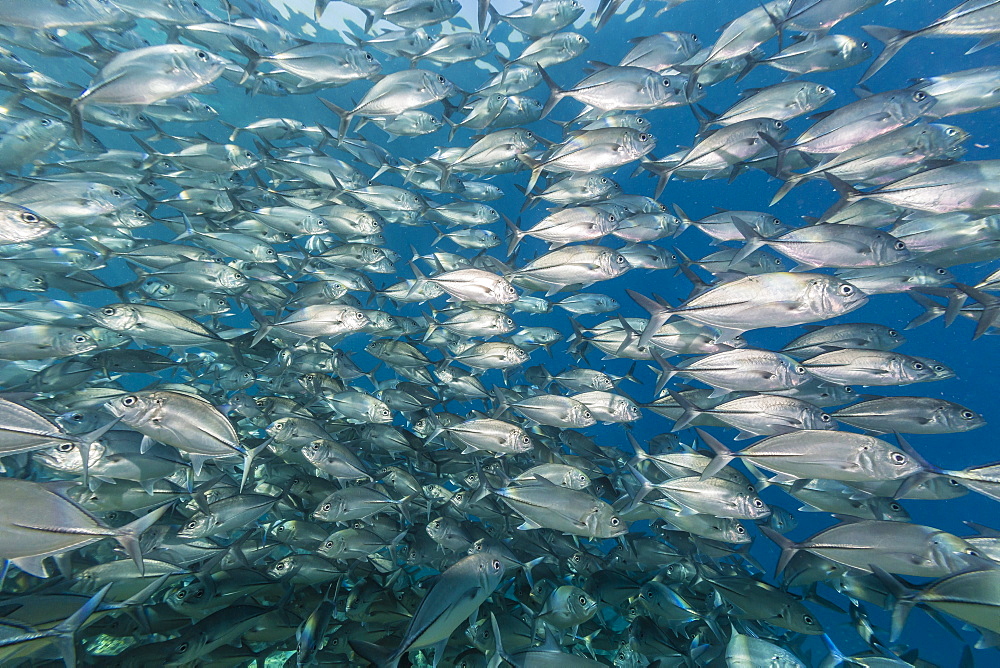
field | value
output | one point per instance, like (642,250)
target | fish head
(518,440)
(751,506)
(200,526)
(67,456)
(885,509)
(135,409)
(833,296)
(117,317)
(613,263)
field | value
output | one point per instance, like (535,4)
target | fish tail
(658,314)
(128,535)
(253,58)
(932,309)
(894,40)
(753,240)
(723,455)
(65,632)
(76,119)
(788,548)
(645,488)
(847,192)
(555,93)
(690,411)
(903,596)
(377,655)
(667,371)
(265,327)
(344,116)
(640,453)
(515,235)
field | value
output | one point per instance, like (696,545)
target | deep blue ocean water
(977,363)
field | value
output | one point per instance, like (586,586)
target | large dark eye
(327,507)
(740,530)
(192,524)
(920,96)
(583,600)
(895,507)
(65,447)
(201,55)
(115,192)
(898,458)
(968,415)
(129,401)
(899,245)
(758,503)
(846,290)
(825,418)
(808,620)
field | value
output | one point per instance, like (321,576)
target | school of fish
(250,414)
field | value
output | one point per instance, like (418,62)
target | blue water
(975,362)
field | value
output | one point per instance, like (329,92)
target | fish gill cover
(418,332)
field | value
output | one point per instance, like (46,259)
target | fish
(374,332)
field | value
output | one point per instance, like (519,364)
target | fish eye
(368,57)
(846,290)
(182,647)
(583,600)
(740,529)
(895,507)
(45,122)
(643,137)
(29,217)
(496,564)
(848,389)
(79,338)
(201,55)
(130,400)
(441,79)
(620,259)
(968,415)
(758,503)
(279,566)
(65,447)
(615,521)
(825,418)
(808,620)
(192,524)
(115,192)
(941,272)
(181,594)
(899,245)
(864,45)
(920,96)
(898,458)
(821,89)
(329,544)
(52,37)
(893,333)
(918,366)
(327,507)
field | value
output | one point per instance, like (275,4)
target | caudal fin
(894,40)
